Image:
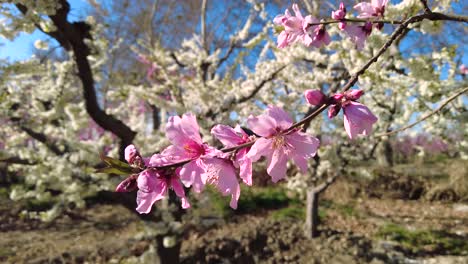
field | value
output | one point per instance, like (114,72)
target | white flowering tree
(59,114)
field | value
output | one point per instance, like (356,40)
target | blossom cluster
(312,32)
(191,162)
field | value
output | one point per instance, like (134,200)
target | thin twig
(446,102)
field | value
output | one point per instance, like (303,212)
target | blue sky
(22,47)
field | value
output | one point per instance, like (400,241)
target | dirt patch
(388,184)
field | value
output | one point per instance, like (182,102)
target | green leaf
(110,170)
(115,163)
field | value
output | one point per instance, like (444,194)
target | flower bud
(314,97)
(333,110)
(354,94)
(342,25)
(336,98)
(131,153)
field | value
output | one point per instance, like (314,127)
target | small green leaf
(115,163)
(110,170)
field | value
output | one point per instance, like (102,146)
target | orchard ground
(409,214)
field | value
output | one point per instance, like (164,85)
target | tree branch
(17,160)
(446,102)
(71,36)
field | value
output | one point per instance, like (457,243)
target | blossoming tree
(189,83)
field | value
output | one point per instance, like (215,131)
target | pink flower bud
(336,98)
(131,153)
(340,13)
(314,97)
(128,185)
(354,94)
(463,69)
(342,25)
(358,119)
(333,110)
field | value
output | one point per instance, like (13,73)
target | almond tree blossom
(359,34)
(340,14)
(205,164)
(231,137)
(277,145)
(294,27)
(376,8)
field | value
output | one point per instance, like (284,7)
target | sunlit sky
(22,47)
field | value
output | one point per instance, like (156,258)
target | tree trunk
(165,254)
(312,217)
(385,154)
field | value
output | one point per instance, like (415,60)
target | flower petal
(263,125)
(179,190)
(260,148)
(191,175)
(303,144)
(277,165)
(227,135)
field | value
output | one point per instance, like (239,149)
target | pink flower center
(194,150)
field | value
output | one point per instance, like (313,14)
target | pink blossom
(340,14)
(152,183)
(314,97)
(183,133)
(376,8)
(319,37)
(278,146)
(359,34)
(358,119)
(205,163)
(152,67)
(463,69)
(153,186)
(295,27)
(233,137)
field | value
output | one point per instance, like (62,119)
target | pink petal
(282,40)
(365,10)
(145,200)
(296,10)
(261,147)
(173,154)
(227,135)
(191,175)
(358,119)
(183,130)
(148,181)
(223,175)
(303,144)
(245,164)
(179,190)
(277,165)
(190,127)
(241,131)
(301,162)
(283,120)
(263,125)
